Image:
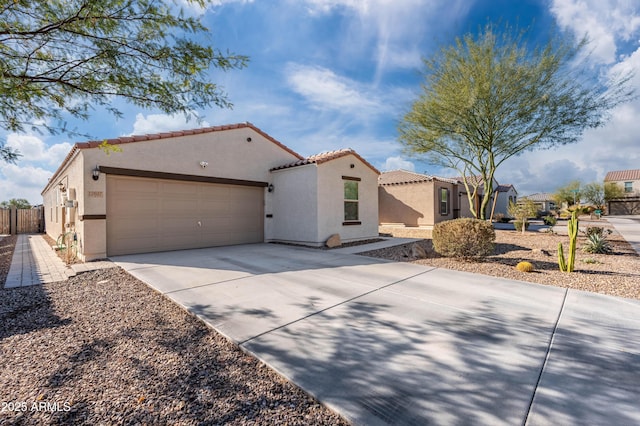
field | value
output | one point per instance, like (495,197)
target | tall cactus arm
(561,262)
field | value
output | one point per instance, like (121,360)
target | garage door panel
(145,215)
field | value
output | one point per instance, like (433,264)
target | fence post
(13,220)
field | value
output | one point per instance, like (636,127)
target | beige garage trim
(146,215)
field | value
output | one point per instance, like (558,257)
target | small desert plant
(524,267)
(521,211)
(596,230)
(467,239)
(589,260)
(597,243)
(566,265)
(550,220)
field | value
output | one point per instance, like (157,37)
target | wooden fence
(22,221)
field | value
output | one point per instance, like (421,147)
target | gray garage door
(145,215)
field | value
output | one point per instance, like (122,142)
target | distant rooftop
(620,175)
(400,177)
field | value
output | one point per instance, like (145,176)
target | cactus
(525,267)
(568,264)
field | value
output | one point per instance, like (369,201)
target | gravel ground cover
(616,274)
(103,348)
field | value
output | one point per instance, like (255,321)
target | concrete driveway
(394,343)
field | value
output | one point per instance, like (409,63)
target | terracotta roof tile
(400,177)
(540,197)
(621,175)
(325,157)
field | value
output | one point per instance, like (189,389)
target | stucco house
(415,199)
(629,181)
(544,201)
(206,187)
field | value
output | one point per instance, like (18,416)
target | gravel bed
(7,244)
(616,274)
(103,348)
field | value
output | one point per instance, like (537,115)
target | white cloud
(396,27)
(22,182)
(398,163)
(325,90)
(605,22)
(34,150)
(158,123)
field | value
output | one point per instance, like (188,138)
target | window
(628,187)
(444,201)
(351,201)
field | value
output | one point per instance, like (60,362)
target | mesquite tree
(489,97)
(61,58)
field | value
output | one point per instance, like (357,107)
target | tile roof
(325,157)
(400,177)
(165,135)
(506,188)
(540,196)
(620,175)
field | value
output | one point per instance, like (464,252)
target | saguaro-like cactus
(568,264)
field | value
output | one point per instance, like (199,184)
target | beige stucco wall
(228,154)
(57,216)
(502,203)
(635,186)
(293,204)
(416,204)
(410,204)
(308,202)
(331,199)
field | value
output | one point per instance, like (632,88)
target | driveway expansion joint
(344,302)
(546,357)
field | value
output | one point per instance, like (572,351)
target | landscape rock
(334,241)
(418,252)
(540,251)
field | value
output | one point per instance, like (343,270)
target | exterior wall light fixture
(95,174)
(270,187)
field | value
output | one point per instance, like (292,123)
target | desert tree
(59,59)
(571,193)
(489,97)
(19,203)
(594,193)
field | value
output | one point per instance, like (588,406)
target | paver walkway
(34,262)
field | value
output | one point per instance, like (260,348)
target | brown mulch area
(616,274)
(104,348)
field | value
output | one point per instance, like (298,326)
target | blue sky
(330,74)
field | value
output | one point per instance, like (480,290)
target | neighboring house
(207,187)
(506,194)
(629,181)
(415,199)
(544,201)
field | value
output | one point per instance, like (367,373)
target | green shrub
(597,243)
(550,220)
(467,239)
(518,225)
(524,267)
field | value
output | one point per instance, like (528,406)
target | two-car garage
(152,214)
